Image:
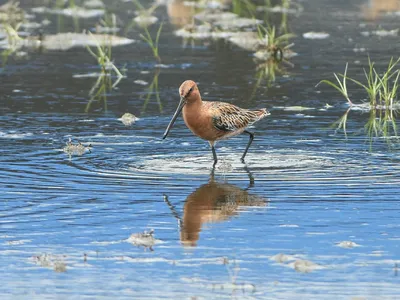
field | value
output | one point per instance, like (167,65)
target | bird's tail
(261,113)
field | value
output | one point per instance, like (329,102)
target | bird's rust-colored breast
(198,118)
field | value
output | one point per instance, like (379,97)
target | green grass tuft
(153,43)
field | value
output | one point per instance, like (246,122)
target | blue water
(65,220)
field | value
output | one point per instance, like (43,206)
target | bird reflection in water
(211,203)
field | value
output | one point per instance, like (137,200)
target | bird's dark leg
(251,177)
(214,153)
(248,144)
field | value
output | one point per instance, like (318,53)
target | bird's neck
(194,104)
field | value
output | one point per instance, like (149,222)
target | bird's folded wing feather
(228,117)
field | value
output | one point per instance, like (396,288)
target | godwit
(213,121)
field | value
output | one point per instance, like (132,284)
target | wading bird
(213,121)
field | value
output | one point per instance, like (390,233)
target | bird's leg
(248,144)
(251,178)
(214,153)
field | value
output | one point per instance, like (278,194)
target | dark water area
(313,214)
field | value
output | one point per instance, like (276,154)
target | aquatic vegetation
(381,90)
(11,13)
(244,8)
(104,57)
(272,45)
(153,44)
(145,16)
(11,44)
(104,83)
(108,24)
(341,86)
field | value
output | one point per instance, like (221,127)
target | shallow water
(304,189)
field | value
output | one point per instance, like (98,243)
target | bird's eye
(191,90)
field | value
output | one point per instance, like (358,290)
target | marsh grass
(13,40)
(381,90)
(341,85)
(275,44)
(142,10)
(244,8)
(104,84)
(153,44)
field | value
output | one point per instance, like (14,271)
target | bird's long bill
(176,114)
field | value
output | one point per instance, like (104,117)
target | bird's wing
(228,117)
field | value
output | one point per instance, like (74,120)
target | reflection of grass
(342,123)
(381,89)
(153,44)
(153,89)
(267,71)
(286,5)
(104,83)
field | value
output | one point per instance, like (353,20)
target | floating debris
(225,167)
(295,108)
(88,75)
(204,31)
(246,40)
(128,119)
(55,262)
(145,20)
(236,23)
(280,9)
(145,239)
(210,4)
(347,244)
(65,41)
(207,16)
(76,11)
(106,29)
(282,258)
(381,32)
(304,266)
(312,35)
(93,4)
(76,149)
(141,82)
